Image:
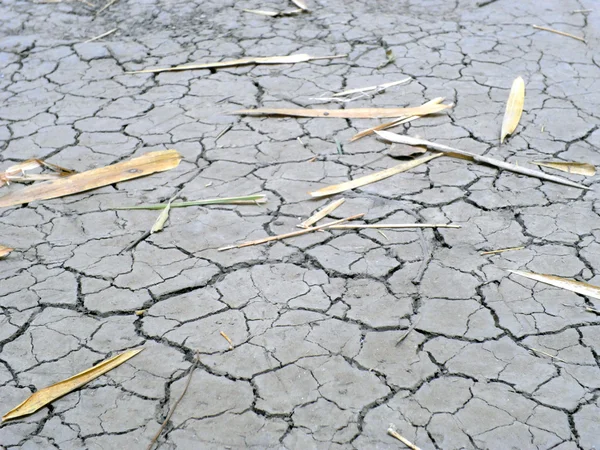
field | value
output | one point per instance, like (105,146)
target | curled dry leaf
(48,394)
(350,113)
(372,178)
(5,251)
(289,59)
(570,167)
(514,108)
(80,182)
(580,287)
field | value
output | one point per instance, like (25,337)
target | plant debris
(401,120)
(300,4)
(257,199)
(570,167)
(322,213)
(101,36)
(290,59)
(48,394)
(5,251)
(514,108)
(401,139)
(107,5)
(289,235)
(372,178)
(562,33)
(261,12)
(17,173)
(227,339)
(579,287)
(411,328)
(350,113)
(80,182)
(389,59)
(502,250)
(392,432)
(547,354)
(393,226)
(187,385)
(377,88)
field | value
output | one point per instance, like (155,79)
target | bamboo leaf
(80,182)
(570,167)
(258,199)
(579,287)
(290,59)
(372,178)
(322,213)
(48,394)
(351,113)
(514,108)
(401,139)
(5,251)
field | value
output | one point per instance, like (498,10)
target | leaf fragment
(579,287)
(257,199)
(300,4)
(350,113)
(289,59)
(80,182)
(17,173)
(373,177)
(48,394)
(162,217)
(379,87)
(5,251)
(402,139)
(262,12)
(322,213)
(562,33)
(514,108)
(501,250)
(570,167)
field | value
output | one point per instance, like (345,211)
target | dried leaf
(162,218)
(389,58)
(562,33)
(401,139)
(258,199)
(570,167)
(261,12)
(580,287)
(379,87)
(514,108)
(372,178)
(134,168)
(356,113)
(16,173)
(322,213)
(300,4)
(501,250)
(48,394)
(289,235)
(5,251)
(290,59)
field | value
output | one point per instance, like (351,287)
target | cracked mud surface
(314,320)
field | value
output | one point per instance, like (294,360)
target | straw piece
(321,213)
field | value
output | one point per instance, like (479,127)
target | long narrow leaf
(322,213)
(48,394)
(244,200)
(580,287)
(570,167)
(514,108)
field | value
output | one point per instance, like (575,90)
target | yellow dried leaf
(48,394)
(564,283)
(570,167)
(514,108)
(4,251)
(162,218)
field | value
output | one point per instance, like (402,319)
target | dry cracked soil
(314,320)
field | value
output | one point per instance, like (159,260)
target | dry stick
(493,252)
(377,88)
(187,385)
(101,36)
(394,225)
(292,234)
(547,354)
(562,33)
(227,339)
(412,327)
(392,137)
(321,213)
(402,439)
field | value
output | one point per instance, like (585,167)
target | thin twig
(227,339)
(289,235)
(187,385)
(562,33)
(412,327)
(136,242)
(322,213)
(105,6)
(493,252)
(101,36)
(402,439)
(547,354)
(393,225)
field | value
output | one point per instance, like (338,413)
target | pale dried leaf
(162,218)
(80,182)
(378,87)
(262,12)
(570,167)
(372,178)
(48,394)
(562,33)
(579,287)
(322,213)
(300,4)
(514,108)
(351,113)
(5,251)
(289,59)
